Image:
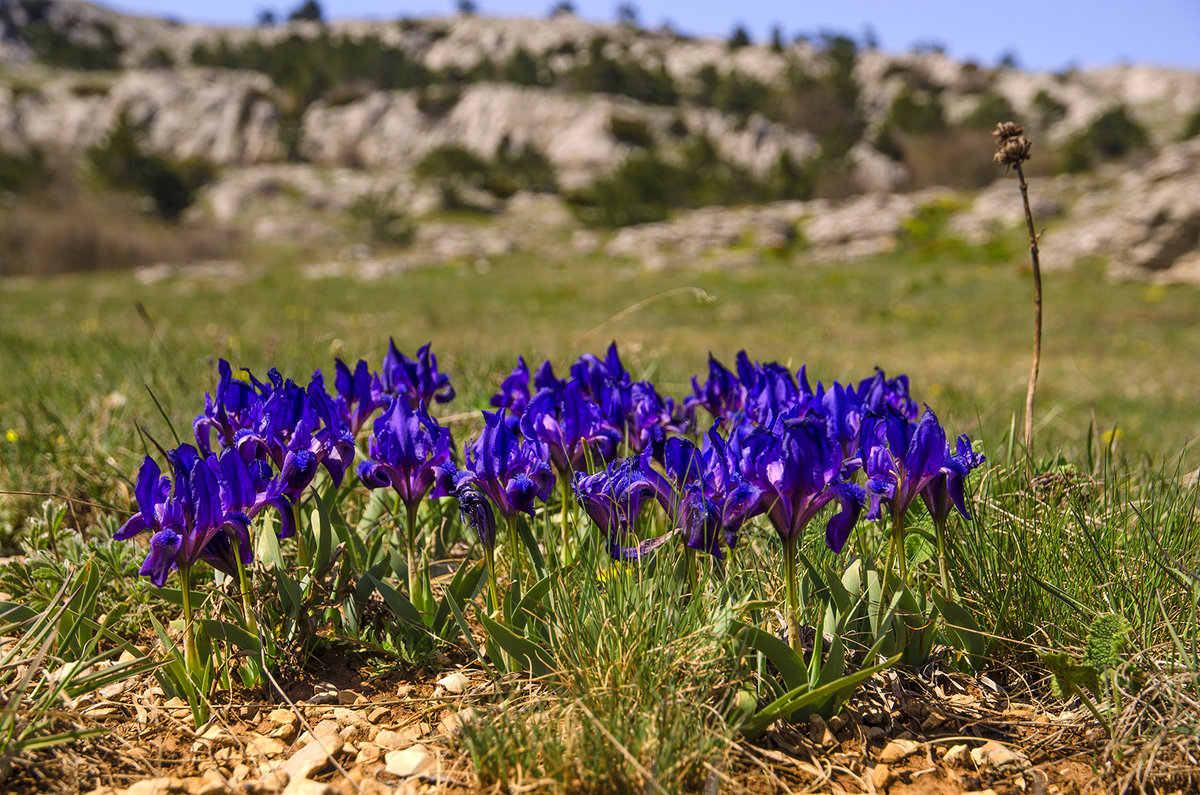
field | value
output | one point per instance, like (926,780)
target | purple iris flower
(299,430)
(723,394)
(569,425)
(947,489)
(706,500)
(775,395)
(360,394)
(511,473)
(607,383)
(514,391)
(843,412)
(901,458)
(236,406)
(879,392)
(651,417)
(201,517)
(613,499)
(799,470)
(417,380)
(406,450)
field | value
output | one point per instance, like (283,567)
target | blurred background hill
(132,141)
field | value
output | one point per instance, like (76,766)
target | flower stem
(940,527)
(514,545)
(792,595)
(191,657)
(248,614)
(1031,392)
(489,557)
(566,554)
(415,590)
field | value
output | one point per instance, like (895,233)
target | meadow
(640,678)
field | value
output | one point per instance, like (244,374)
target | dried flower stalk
(1012,149)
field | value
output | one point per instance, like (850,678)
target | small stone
(404,691)
(873,733)
(239,773)
(257,745)
(285,733)
(455,683)
(957,755)
(994,756)
(283,717)
(897,750)
(818,732)
(312,757)
(324,693)
(378,714)
(211,783)
(347,698)
(268,784)
(368,753)
(248,712)
(875,718)
(164,785)
(453,723)
(392,740)
(306,787)
(409,762)
(837,723)
(881,777)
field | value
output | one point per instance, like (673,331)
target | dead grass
(63,227)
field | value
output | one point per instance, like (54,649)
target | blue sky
(1047,35)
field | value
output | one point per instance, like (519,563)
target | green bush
(1111,135)
(308,68)
(20,173)
(991,110)
(1114,133)
(381,221)
(1047,110)
(120,163)
(601,74)
(632,131)
(510,171)
(58,46)
(1191,128)
(915,113)
(650,184)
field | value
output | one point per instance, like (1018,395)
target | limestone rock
(410,762)
(898,750)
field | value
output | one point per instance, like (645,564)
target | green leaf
(1106,641)
(802,696)
(1070,675)
(790,664)
(231,634)
(175,596)
(268,546)
(400,606)
(962,631)
(464,586)
(525,653)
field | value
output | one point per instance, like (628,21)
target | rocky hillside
(624,126)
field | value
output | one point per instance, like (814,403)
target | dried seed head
(1012,147)
(1007,129)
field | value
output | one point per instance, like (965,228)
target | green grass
(81,354)
(1107,527)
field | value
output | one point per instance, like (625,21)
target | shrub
(67,48)
(510,171)
(739,38)
(915,113)
(992,109)
(308,11)
(381,221)
(1114,133)
(120,163)
(1191,128)
(599,73)
(1047,110)
(632,131)
(20,173)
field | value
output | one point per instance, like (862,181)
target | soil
(906,733)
